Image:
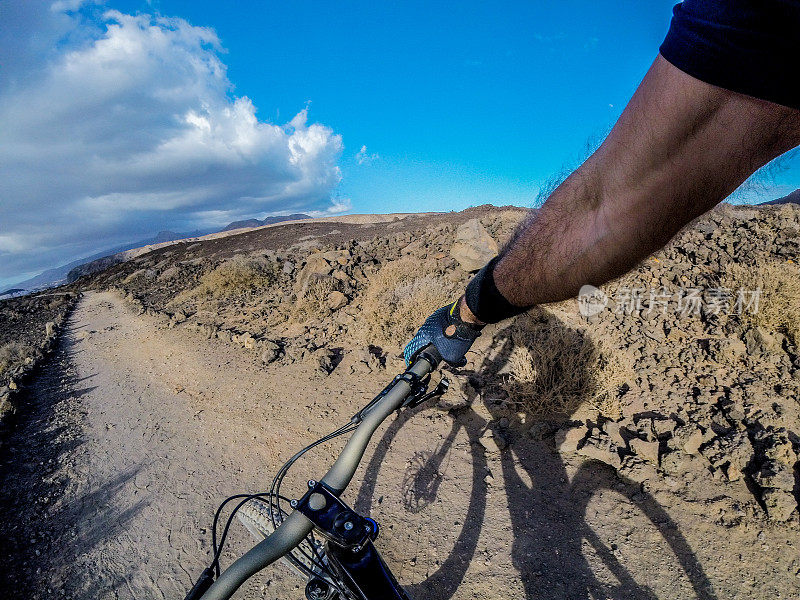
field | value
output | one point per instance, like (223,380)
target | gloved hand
(448,332)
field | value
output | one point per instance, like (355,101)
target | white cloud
(337,207)
(364,158)
(115,126)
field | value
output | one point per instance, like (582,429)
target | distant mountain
(12,292)
(59,275)
(793,198)
(168,236)
(250,223)
(71,271)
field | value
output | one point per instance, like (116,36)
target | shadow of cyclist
(547,508)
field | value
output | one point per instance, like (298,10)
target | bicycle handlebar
(296,526)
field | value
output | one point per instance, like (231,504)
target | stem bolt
(312,483)
(293,503)
(348,526)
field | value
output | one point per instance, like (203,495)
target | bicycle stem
(296,526)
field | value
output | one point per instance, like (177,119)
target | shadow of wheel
(420,489)
(594,476)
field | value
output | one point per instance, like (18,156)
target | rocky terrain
(682,378)
(671,381)
(29,326)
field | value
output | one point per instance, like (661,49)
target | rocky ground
(29,327)
(672,396)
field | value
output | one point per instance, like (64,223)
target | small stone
(780,448)
(647,450)
(336,300)
(780,504)
(270,351)
(453,401)
(774,474)
(663,428)
(569,438)
(635,469)
(50,329)
(323,360)
(693,443)
(614,431)
(675,463)
(541,429)
(288,267)
(759,341)
(600,448)
(247,341)
(493,441)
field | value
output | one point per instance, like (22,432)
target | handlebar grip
(432,355)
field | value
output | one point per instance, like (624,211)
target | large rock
(473,247)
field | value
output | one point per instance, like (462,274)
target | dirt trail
(154,445)
(133,434)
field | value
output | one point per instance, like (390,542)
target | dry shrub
(238,276)
(553,368)
(134,276)
(313,302)
(779,301)
(12,355)
(400,297)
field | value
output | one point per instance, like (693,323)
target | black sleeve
(746,46)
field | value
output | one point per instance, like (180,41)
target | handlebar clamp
(334,520)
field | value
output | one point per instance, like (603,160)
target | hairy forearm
(588,232)
(679,148)
(579,237)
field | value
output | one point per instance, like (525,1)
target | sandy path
(134,433)
(163,434)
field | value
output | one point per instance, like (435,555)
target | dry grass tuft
(400,297)
(134,276)
(238,276)
(313,303)
(553,368)
(779,301)
(13,354)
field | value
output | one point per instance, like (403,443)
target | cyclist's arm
(679,148)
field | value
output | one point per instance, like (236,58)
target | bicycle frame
(368,573)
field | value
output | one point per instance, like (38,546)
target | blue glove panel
(453,348)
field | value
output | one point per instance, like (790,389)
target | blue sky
(482,103)
(121,118)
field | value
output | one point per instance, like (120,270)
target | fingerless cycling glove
(445,330)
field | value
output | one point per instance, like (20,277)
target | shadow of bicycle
(552,541)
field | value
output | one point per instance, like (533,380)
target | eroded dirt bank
(133,434)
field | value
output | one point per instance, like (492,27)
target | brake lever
(416,399)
